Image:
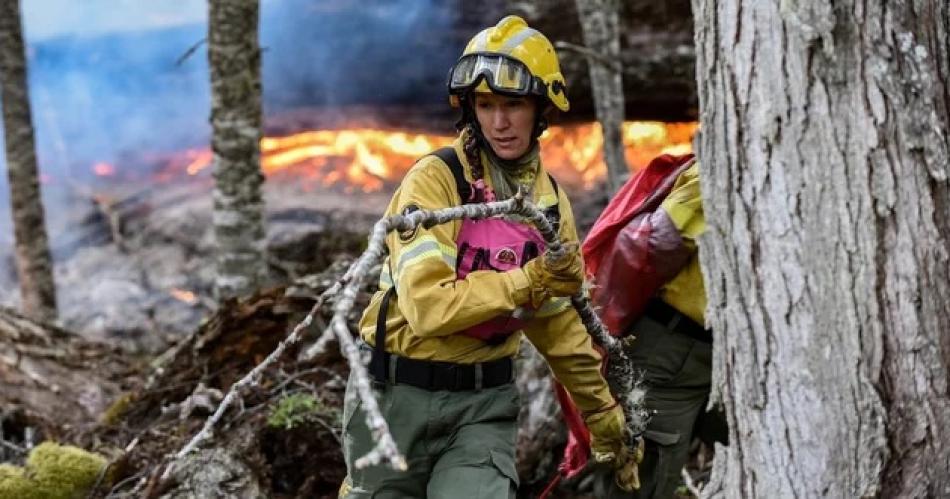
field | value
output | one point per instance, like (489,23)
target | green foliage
(299,409)
(52,471)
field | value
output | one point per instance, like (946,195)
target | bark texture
(600,23)
(235,64)
(825,156)
(33,262)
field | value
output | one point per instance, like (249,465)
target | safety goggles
(503,74)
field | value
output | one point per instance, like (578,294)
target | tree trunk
(600,20)
(825,154)
(235,65)
(34,265)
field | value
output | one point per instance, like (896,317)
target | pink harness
(493,244)
(499,245)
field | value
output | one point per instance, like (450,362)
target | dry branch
(620,374)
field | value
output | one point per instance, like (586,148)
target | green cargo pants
(457,444)
(677,371)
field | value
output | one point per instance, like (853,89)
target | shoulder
(431,179)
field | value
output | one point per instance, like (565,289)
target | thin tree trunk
(600,20)
(235,65)
(33,261)
(825,154)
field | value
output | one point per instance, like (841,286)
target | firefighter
(455,299)
(673,347)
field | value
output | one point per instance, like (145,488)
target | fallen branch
(624,381)
(630,397)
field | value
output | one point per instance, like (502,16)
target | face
(506,122)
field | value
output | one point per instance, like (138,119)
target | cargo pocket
(505,464)
(351,405)
(658,460)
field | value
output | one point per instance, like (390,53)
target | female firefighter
(455,298)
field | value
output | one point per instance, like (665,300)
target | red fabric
(613,235)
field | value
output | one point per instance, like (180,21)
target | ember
(184,296)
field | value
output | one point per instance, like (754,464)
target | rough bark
(235,65)
(825,177)
(33,262)
(600,21)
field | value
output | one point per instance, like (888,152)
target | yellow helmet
(511,59)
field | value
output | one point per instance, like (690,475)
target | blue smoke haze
(105,85)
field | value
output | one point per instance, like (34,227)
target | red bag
(626,273)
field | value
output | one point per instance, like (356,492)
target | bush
(298,409)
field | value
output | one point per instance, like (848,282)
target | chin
(509,154)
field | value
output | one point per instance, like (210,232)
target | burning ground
(134,274)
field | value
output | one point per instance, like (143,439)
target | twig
(590,54)
(688,481)
(293,377)
(191,50)
(251,378)
(12,446)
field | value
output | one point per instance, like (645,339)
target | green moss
(13,483)
(115,412)
(299,409)
(52,472)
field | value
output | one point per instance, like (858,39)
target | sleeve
(684,206)
(431,298)
(560,336)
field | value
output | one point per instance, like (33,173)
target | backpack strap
(379,362)
(553,212)
(450,158)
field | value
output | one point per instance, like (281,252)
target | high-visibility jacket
(684,206)
(432,305)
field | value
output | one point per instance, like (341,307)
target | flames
(368,160)
(183,295)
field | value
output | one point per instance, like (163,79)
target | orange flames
(183,295)
(367,159)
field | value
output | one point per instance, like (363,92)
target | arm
(431,298)
(558,334)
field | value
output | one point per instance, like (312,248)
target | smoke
(105,86)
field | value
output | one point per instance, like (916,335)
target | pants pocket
(662,462)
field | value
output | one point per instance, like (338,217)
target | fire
(183,295)
(369,159)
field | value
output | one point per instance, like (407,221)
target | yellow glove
(561,277)
(608,445)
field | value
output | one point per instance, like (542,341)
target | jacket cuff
(520,286)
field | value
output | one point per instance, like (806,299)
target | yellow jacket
(684,205)
(432,305)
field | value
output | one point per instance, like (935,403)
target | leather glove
(561,277)
(608,445)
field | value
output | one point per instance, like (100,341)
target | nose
(500,119)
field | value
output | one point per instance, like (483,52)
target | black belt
(436,376)
(674,320)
